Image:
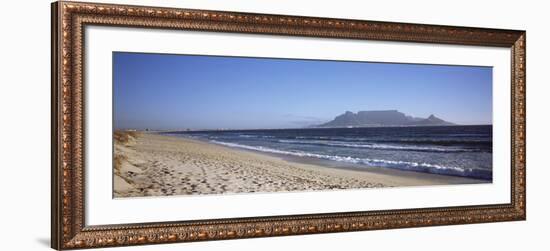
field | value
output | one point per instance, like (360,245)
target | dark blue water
(449,150)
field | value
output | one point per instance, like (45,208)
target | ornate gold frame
(68,228)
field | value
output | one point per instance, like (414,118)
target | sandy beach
(148,164)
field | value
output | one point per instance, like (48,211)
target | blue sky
(163,92)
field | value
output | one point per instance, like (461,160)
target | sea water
(449,150)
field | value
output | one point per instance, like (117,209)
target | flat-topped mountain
(382,118)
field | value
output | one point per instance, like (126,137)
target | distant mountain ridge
(382,118)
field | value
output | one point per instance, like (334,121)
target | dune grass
(124,137)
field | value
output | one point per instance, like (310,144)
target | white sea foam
(377,146)
(366,161)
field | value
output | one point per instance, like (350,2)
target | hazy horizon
(177,92)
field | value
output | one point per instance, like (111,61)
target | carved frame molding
(68,226)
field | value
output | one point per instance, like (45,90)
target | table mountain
(382,118)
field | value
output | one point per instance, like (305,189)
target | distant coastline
(285,128)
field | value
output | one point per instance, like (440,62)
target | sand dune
(155,165)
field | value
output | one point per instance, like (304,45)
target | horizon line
(283,128)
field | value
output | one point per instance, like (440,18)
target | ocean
(464,151)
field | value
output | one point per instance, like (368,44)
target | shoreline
(448,179)
(151,164)
(345,166)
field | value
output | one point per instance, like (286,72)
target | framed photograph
(177,125)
